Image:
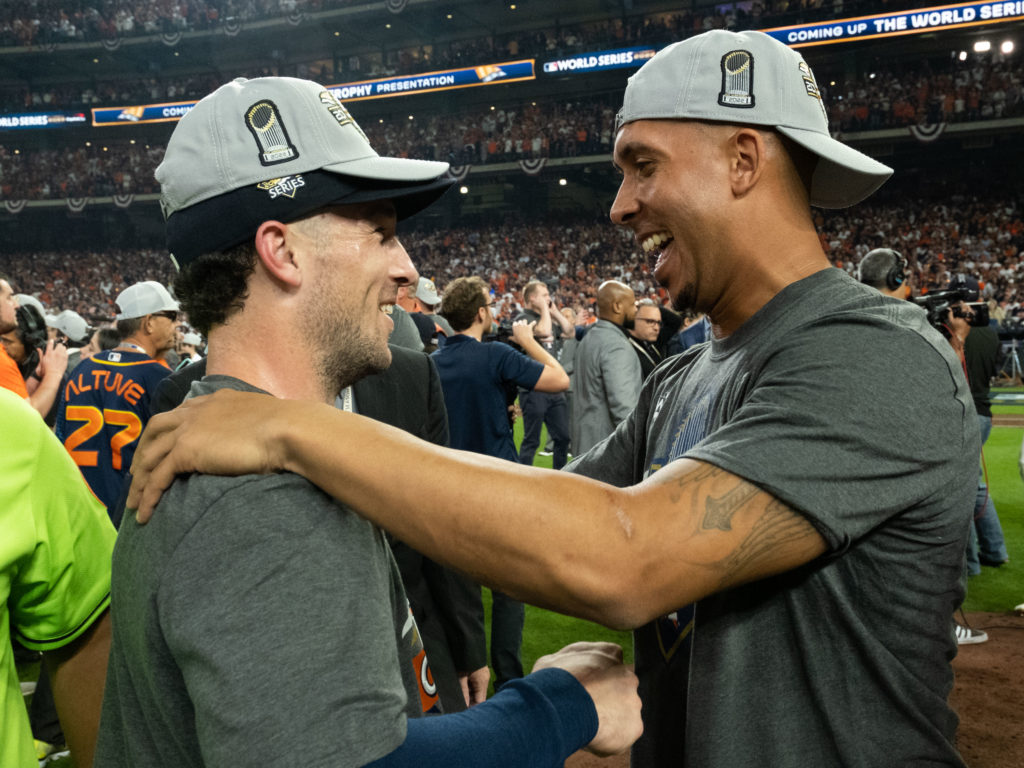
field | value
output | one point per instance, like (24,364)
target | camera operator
(957,314)
(33,366)
(986,544)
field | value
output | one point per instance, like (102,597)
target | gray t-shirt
(257,622)
(849,408)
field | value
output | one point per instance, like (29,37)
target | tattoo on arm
(779,527)
(774,528)
(718,512)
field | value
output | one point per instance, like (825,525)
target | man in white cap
(290,638)
(783,516)
(106,398)
(190,344)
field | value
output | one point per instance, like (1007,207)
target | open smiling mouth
(654,245)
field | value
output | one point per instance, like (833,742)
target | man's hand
(229,433)
(53,360)
(522,332)
(474,685)
(613,688)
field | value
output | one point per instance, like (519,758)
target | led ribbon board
(37,120)
(429,82)
(486,74)
(600,60)
(901,23)
(148,113)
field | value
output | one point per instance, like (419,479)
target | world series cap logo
(737,80)
(264,123)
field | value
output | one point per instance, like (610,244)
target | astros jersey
(105,407)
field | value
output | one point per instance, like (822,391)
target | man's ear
(275,247)
(747,154)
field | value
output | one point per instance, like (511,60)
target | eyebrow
(631,149)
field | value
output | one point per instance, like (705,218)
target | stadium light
(387,26)
(411,117)
(463,190)
(982,46)
(562,182)
(1006,46)
(449,16)
(337,34)
(963,56)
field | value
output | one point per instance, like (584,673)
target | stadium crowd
(40,22)
(982,88)
(984,238)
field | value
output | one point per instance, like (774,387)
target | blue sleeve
(533,722)
(513,365)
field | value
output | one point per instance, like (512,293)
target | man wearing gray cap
(783,515)
(105,402)
(258,621)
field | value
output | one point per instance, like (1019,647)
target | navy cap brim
(228,220)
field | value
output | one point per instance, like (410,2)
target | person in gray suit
(607,378)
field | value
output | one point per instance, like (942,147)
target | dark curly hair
(462,299)
(213,287)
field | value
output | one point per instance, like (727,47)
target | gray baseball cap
(275,148)
(145,298)
(749,78)
(426,292)
(73,325)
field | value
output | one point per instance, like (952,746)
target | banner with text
(900,23)
(601,60)
(146,113)
(486,74)
(37,120)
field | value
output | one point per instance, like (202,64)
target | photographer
(32,366)
(958,315)
(474,378)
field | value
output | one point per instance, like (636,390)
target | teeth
(387,309)
(655,241)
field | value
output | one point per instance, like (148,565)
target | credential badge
(264,122)
(737,80)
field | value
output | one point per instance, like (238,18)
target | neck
(279,364)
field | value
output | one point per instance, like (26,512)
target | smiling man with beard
(782,517)
(258,622)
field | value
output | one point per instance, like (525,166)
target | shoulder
(403,359)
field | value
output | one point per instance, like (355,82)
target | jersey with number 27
(106,404)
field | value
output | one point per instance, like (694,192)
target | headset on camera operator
(886,271)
